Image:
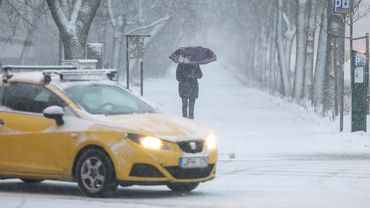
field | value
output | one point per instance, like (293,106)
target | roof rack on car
(8,68)
(65,72)
(82,75)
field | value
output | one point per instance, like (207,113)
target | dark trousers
(188,104)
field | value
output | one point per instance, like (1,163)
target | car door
(29,142)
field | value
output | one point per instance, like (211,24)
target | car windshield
(106,99)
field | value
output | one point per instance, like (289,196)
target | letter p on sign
(342,6)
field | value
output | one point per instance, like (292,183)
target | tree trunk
(255,59)
(310,47)
(319,84)
(118,38)
(300,53)
(73,48)
(329,78)
(74,24)
(289,36)
(273,58)
(264,53)
(281,53)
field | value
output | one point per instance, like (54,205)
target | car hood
(161,125)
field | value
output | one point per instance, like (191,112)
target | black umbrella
(193,55)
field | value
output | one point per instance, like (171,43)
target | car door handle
(2,123)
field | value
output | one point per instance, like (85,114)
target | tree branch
(86,16)
(110,12)
(21,15)
(150,25)
(75,11)
(132,20)
(57,13)
(286,21)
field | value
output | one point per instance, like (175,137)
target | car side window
(29,98)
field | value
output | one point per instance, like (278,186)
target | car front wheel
(182,187)
(95,174)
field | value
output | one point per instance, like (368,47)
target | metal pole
(141,77)
(341,94)
(335,75)
(367,74)
(127,66)
(351,34)
(341,88)
(350,52)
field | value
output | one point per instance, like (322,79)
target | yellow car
(59,123)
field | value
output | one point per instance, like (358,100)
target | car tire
(31,181)
(95,174)
(182,187)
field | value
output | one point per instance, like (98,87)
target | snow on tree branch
(150,25)
(141,14)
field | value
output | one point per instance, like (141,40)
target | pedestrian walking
(187,75)
(188,72)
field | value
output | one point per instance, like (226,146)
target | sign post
(135,50)
(359,82)
(341,7)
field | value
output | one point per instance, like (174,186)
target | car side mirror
(54,112)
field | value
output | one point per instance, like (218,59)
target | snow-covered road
(284,156)
(301,181)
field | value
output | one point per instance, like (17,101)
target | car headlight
(148,142)
(211,142)
(151,143)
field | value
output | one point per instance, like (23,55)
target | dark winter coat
(188,76)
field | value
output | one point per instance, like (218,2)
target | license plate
(193,162)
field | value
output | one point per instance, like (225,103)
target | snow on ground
(284,156)
(249,121)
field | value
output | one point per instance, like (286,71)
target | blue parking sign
(342,6)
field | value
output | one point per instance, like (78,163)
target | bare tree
(310,48)
(300,52)
(73,19)
(282,55)
(320,68)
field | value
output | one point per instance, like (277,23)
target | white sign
(359,75)
(136,47)
(342,6)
